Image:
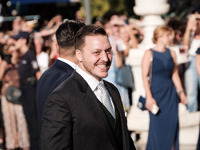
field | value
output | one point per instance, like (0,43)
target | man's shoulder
(73,80)
(62,66)
(57,68)
(75,83)
(68,89)
(53,77)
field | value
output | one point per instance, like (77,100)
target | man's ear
(57,46)
(79,55)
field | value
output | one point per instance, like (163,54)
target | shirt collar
(73,65)
(92,82)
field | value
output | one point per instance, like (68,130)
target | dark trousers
(30,111)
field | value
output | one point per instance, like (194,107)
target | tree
(181,8)
(100,7)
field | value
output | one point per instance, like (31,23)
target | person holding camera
(163,91)
(191,41)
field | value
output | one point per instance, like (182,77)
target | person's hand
(4,64)
(127,44)
(183,98)
(191,24)
(114,47)
(57,18)
(133,29)
(149,103)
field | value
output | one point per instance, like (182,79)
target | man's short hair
(66,32)
(89,30)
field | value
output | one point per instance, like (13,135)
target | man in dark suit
(63,66)
(86,112)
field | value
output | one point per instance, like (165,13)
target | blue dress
(163,127)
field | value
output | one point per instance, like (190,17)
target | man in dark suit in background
(85,112)
(63,66)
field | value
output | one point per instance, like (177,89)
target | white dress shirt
(92,82)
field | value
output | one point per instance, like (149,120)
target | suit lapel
(117,100)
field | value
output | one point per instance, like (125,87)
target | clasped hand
(149,103)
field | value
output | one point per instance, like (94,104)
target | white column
(150,11)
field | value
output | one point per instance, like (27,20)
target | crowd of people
(46,104)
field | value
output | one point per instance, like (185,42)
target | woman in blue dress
(164,90)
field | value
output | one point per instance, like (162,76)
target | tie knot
(101,86)
(101,83)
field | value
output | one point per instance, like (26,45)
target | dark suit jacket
(49,80)
(73,119)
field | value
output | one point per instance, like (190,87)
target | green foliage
(99,7)
(183,8)
(117,5)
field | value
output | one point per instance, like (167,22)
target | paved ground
(182,147)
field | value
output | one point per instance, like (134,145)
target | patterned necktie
(105,100)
